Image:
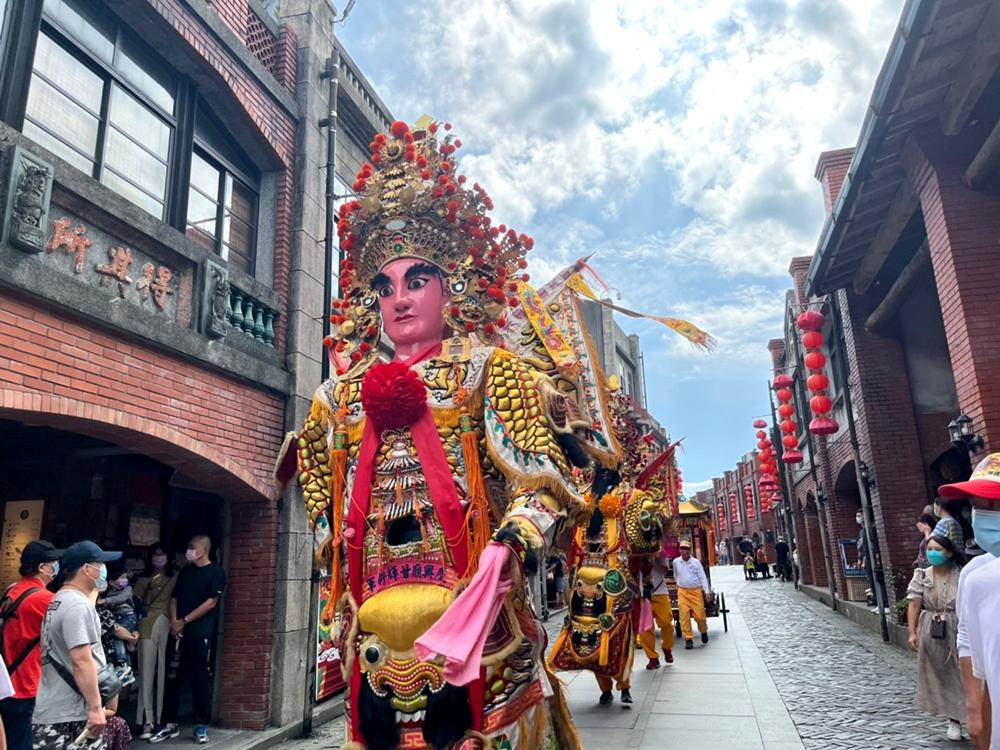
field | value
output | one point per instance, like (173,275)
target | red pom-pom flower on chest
(393,396)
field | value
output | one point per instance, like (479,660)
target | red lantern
(759,424)
(762,444)
(815,360)
(784,394)
(823,425)
(788,426)
(820,404)
(810,320)
(791,457)
(786,410)
(783,381)
(790,441)
(761,434)
(812,339)
(817,382)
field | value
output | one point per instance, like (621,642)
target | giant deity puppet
(433,480)
(607,557)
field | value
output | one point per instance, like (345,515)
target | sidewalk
(719,695)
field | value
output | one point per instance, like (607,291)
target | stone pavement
(843,687)
(716,696)
(789,675)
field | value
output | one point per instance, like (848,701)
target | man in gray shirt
(71,637)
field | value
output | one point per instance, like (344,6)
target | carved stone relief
(28,201)
(215,300)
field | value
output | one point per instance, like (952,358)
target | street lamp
(866,475)
(962,434)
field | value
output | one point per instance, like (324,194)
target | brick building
(735,499)
(161,280)
(905,272)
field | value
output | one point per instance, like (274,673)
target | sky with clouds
(676,141)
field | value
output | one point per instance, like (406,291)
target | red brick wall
(963,232)
(887,432)
(49,361)
(247,641)
(234,13)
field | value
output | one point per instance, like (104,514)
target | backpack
(8,610)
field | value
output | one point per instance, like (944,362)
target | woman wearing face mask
(154,590)
(932,622)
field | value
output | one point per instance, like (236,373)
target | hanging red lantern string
(783,385)
(748,500)
(811,323)
(720,512)
(734,509)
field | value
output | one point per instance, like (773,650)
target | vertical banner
(329,681)
(748,499)
(22,523)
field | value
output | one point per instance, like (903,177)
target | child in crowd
(119,609)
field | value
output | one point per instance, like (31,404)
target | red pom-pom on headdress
(393,396)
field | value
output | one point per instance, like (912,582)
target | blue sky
(675,140)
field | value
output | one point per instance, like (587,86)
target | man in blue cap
(69,700)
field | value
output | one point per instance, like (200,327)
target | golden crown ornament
(412,203)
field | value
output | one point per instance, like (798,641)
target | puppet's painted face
(411,298)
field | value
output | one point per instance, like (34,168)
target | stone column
(293,652)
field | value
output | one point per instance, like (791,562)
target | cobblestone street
(789,675)
(842,686)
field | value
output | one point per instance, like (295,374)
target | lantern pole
(874,560)
(786,494)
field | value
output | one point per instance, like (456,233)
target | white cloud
(567,99)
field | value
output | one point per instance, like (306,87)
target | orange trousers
(691,603)
(664,617)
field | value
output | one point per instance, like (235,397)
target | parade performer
(606,558)
(433,481)
(692,587)
(662,609)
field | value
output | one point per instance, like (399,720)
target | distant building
(621,357)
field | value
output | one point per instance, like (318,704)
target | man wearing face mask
(25,606)
(979,603)
(193,613)
(69,700)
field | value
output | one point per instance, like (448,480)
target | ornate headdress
(412,204)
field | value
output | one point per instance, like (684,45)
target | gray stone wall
(294,651)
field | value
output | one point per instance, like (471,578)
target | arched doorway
(844,530)
(127,482)
(814,542)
